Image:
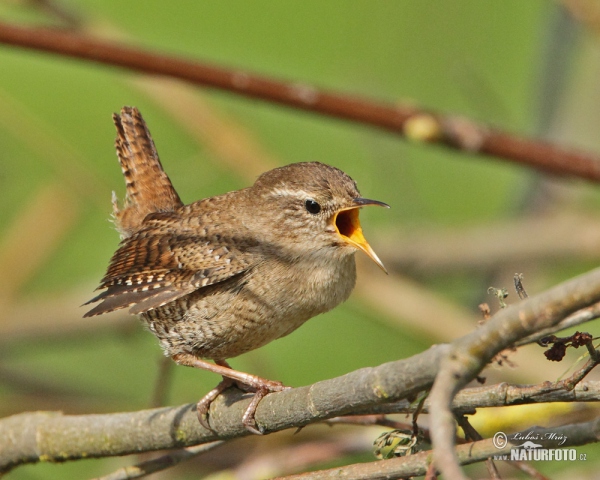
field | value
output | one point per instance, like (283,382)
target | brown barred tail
(148,188)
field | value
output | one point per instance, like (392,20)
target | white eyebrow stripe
(284,192)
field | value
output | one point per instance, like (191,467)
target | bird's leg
(220,367)
(260,386)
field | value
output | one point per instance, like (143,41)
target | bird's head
(312,208)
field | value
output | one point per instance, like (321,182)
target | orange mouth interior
(348,225)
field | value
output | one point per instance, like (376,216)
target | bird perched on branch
(227,274)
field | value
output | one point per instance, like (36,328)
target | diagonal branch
(424,126)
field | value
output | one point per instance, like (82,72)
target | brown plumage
(228,274)
(148,188)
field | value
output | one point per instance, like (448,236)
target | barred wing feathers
(151,269)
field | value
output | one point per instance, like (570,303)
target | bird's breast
(295,292)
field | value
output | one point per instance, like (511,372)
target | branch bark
(423,126)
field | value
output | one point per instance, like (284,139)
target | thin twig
(528,469)
(56,10)
(499,395)
(518,278)
(381,420)
(583,315)
(277,460)
(473,435)
(516,241)
(162,383)
(161,463)
(571,382)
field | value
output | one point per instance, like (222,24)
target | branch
(524,240)
(161,463)
(51,436)
(500,395)
(454,132)
(473,435)
(471,353)
(577,318)
(417,464)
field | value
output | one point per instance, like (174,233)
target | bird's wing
(154,267)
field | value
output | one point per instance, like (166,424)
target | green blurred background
(458,224)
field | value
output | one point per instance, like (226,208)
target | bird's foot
(260,392)
(261,387)
(246,382)
(203,405)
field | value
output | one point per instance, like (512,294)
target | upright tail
(148,188)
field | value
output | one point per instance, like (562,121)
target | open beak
(348,227)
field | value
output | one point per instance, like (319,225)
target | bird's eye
(312,206)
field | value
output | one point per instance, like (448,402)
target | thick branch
(423,126)
(51,436)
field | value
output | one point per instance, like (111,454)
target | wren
(227,274)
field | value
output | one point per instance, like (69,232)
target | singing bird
(227,274)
